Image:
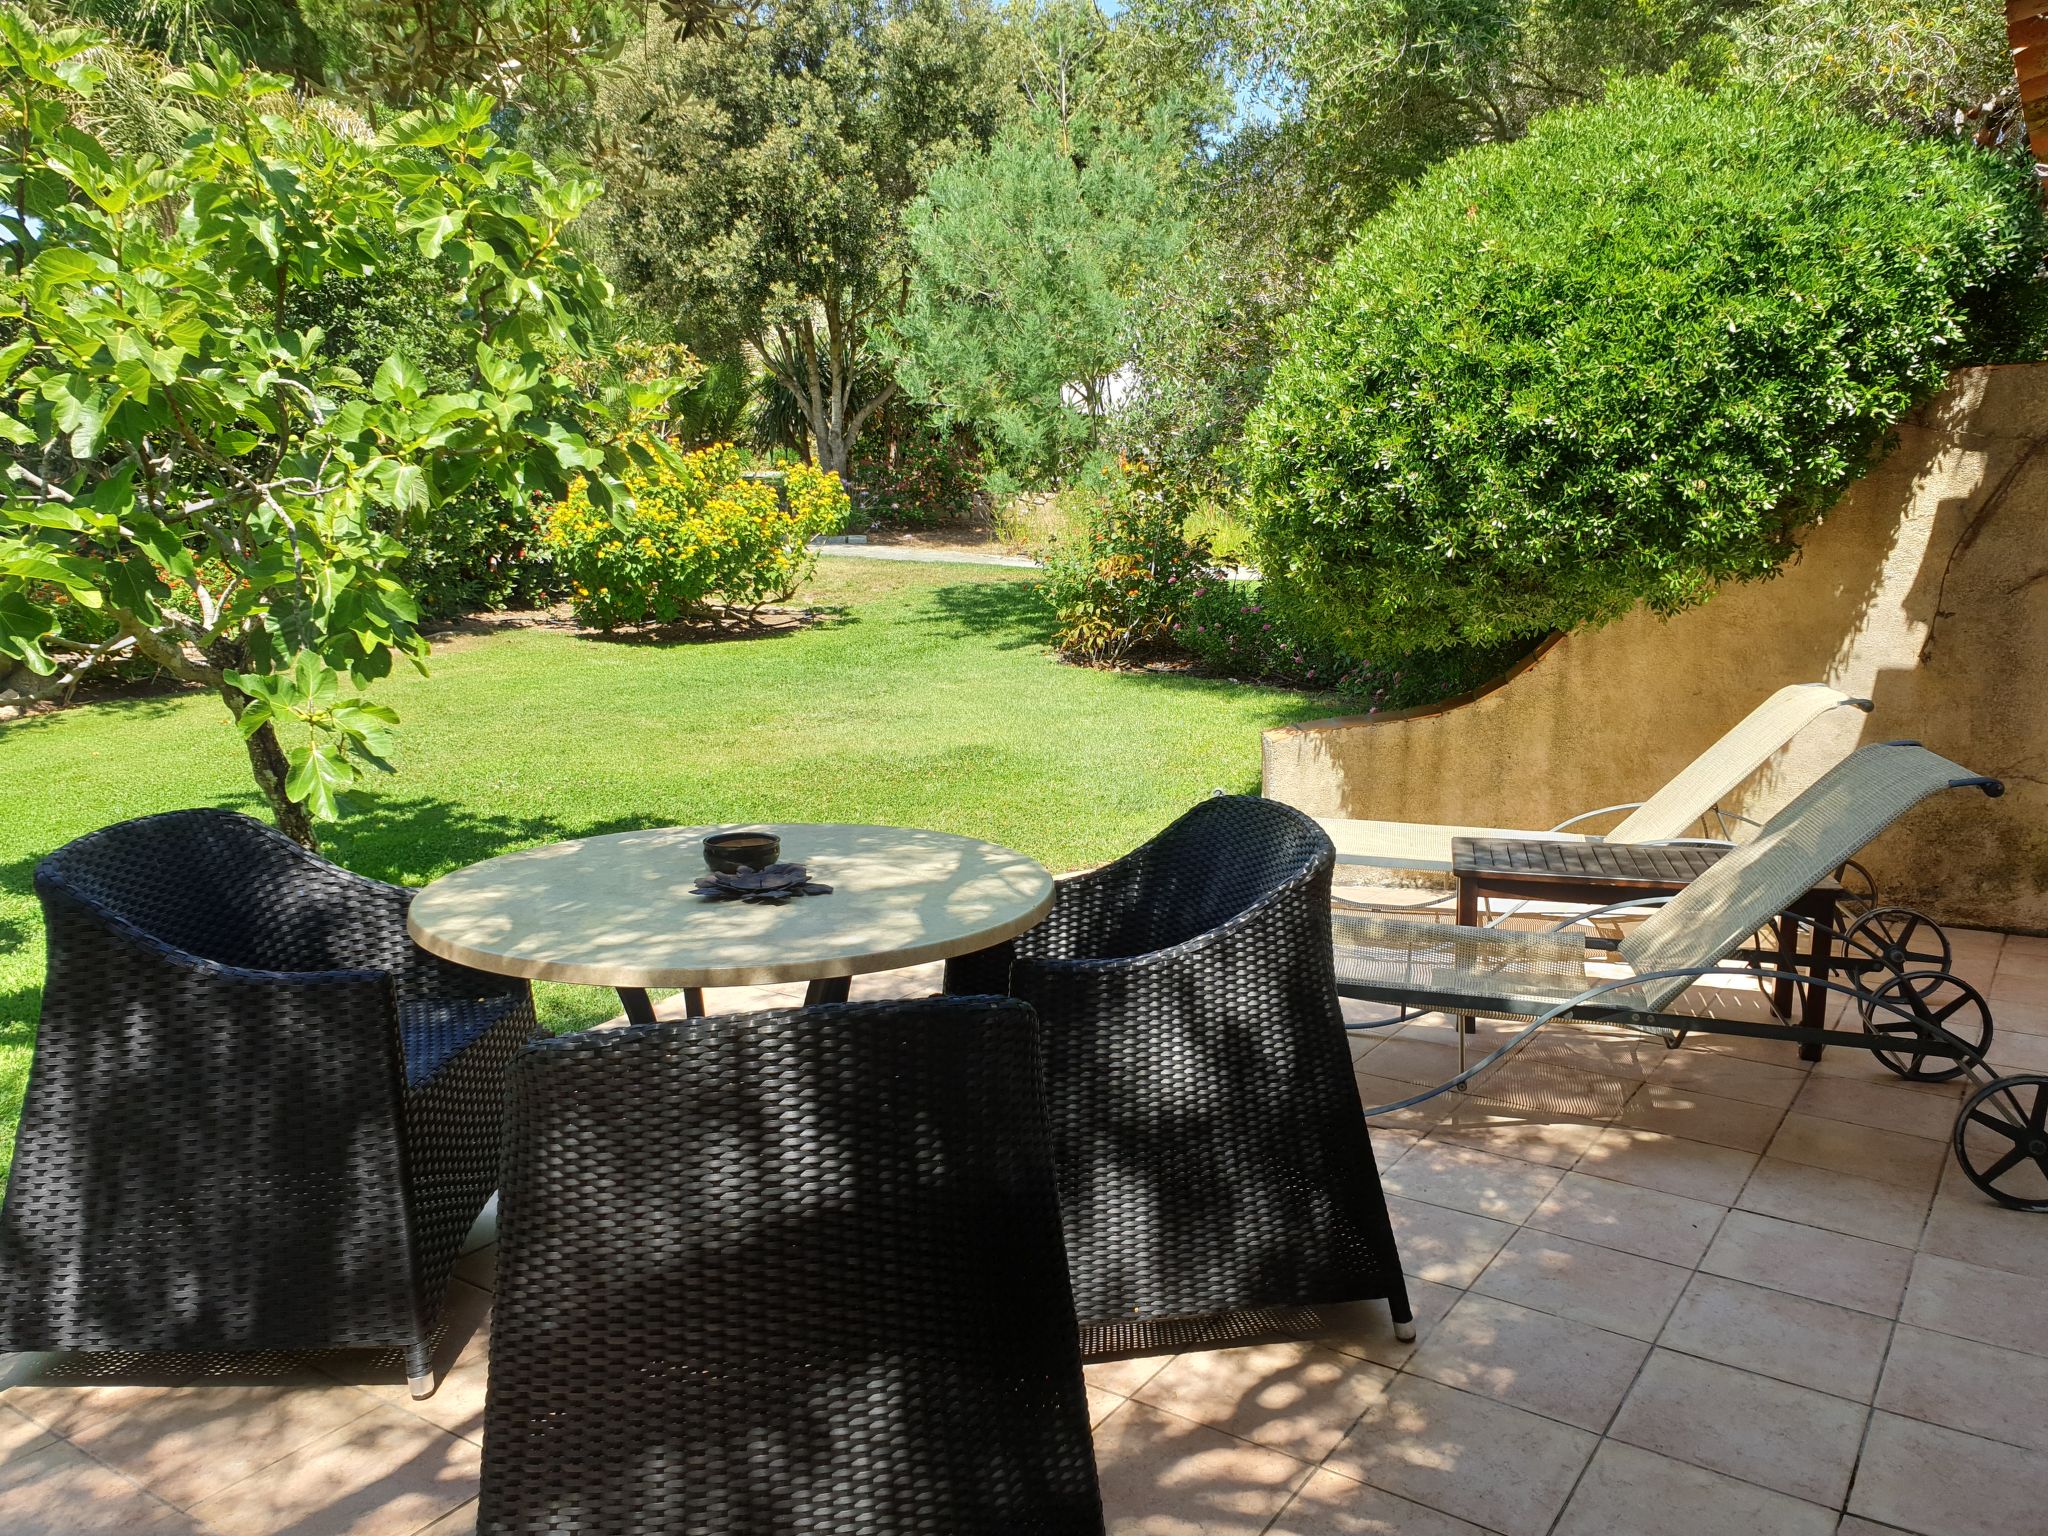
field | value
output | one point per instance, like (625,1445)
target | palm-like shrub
(1618,362)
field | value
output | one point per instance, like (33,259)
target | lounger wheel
(1897,939)
(2001,1141)
(1935,1002)
(1894,939)
(1859,890)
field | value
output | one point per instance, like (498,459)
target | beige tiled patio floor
(1708,1292)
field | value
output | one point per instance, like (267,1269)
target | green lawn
(929,700)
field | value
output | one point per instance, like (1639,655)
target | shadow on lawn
(1010,614)
(1013,616)
(768,624)
(411,840)
(21,1005)
(135,703)
(18,878)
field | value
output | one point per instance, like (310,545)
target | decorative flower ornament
(776,884)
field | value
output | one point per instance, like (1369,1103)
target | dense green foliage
(1233,631)
(761,172)
(271,34)
(1128,582)
(930,703)
(1341,104)
(1028,256)
(1386,88)
(1034,255)
(209,475)
(478,552)
(714,409)
(1940,67)
(540,55)
(1118,584)
(911,468)
(1619,361)
(925,241)
(1203,336)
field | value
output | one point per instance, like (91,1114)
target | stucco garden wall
(1926,591)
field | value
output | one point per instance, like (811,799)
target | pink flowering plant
(1120,587)
(1133,585)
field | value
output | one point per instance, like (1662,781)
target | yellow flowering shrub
(696,535)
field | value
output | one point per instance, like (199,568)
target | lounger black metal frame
(259,1116)
(1215,1174)
(791,1271)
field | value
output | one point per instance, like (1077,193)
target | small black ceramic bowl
(729,852)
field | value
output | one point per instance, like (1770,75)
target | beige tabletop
(618,911)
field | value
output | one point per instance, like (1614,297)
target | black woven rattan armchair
(1213,1165)
(794,1271)
(259,1116)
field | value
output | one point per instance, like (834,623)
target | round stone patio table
(618,911)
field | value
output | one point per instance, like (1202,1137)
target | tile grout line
(1308,1468)
(1765,1285)
(1644,1189)
(1619,1402)
(149,1493)
(1870,1418)
(1868,1409)
(375,1403)
(1397,1371)
(1321,1463)
(1652,1346)
(1606,1436)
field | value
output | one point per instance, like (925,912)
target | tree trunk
(267,762)
(2026,26)
(833,451)
(820,380)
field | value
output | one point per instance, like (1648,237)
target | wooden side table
(1598,874)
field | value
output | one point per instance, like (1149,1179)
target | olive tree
(760,174)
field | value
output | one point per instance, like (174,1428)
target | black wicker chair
(259,1117)
(1214,1169)
(794,1271)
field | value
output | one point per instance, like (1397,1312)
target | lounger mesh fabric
(1500,971)
(1205,1125)
(792,1271)
(1677,808)
(259,1117)
(1796,849)
(1524,974)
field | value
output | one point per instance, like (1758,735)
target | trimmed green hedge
(1621,360)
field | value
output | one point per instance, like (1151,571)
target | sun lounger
(1682,808)
(1925,1025)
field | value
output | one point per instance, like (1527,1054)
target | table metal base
(640,1007)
